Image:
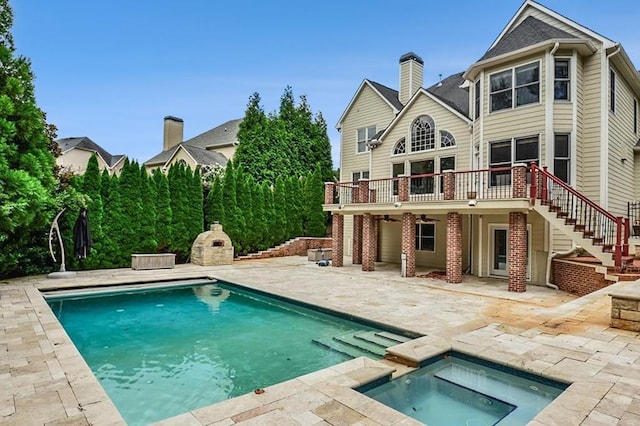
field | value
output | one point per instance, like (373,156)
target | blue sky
(112,69)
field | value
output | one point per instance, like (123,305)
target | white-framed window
(424,184)
(423,134)
(478,92)
(400,147)
(426,236)
(365,134)
(397,169)
(505,153)
(515,87)
(612,91)
(446,139)
(562,79)
(562,156)
(356,176)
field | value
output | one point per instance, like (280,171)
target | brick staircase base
(295,247)
(582,275)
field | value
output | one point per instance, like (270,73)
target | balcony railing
(496,184)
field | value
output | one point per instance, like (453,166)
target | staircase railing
(595,223)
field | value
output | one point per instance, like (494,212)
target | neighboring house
(432,175)
(76,153)
(211,148)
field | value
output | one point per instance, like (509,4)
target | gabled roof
(204,157)
(223,135)
(387,94)
(83,142)
(427,92)
(530,31)
(450,92)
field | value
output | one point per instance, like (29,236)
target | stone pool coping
(568,340)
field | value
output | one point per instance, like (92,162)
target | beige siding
(522,121)
(589,142)
(348,235)
(538,253)
(182,155)
(390,243)
(368,109)
(621,142)
(443,118)
(562,117)
(578,155)
(227,151)
(75,160)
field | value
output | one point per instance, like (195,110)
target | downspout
(555,48)
(550,257)
(615,52)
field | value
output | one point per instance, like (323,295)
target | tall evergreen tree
(232,215)
(196,204)
(245,219)
(112,222)
(163,211)
(280,212)
(148,239)
(253,138)
(214,204)
(271,234)
(91,188)
(320,149)
(130,199)
(27,162)
(178,183)
(314,217)
(293,199)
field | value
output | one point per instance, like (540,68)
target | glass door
(499,255)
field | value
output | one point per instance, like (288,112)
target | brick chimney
(173,132)
(411,76)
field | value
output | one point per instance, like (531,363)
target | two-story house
(76,152)
(529,153)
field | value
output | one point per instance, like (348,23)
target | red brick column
(454,247)
(403,188)
(409,242)
(449,185)
(337,243)
(363,191)
(328,192)
(517,252)
(368,244)
(519,184)
(356,253)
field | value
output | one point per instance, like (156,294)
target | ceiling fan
(386,218)
(424,218)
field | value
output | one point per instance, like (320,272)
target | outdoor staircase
(295,246)
(600,233)
(372,344)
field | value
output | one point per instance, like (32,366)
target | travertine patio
(45,381)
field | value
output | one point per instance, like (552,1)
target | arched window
(400,147)
(422,134)
(446,139)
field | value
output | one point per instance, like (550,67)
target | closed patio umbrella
(82,235)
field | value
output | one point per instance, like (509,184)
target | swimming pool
(456,389)
(163,352)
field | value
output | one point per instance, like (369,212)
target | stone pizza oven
(212,248)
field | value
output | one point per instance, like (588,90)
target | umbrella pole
(62,273)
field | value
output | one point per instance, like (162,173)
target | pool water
(165,352)
(458,390)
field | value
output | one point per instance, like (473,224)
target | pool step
(372,344)
(382,338)
(361,345)
(336,346)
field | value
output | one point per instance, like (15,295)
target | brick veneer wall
(368,245)
(296,247)
(409,242)
(356,252)
(576,278)
(337,232)
(454,247)
(517,251)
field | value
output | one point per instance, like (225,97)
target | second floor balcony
(497,188)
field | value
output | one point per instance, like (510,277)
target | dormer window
(521,84)
(423,134)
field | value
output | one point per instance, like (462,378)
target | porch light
(473,202)
(397,204)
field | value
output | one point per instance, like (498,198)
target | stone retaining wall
(296,247)
(576,278)
(625,309)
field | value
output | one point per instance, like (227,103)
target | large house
(211,148)
(495,171)
(75,154)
